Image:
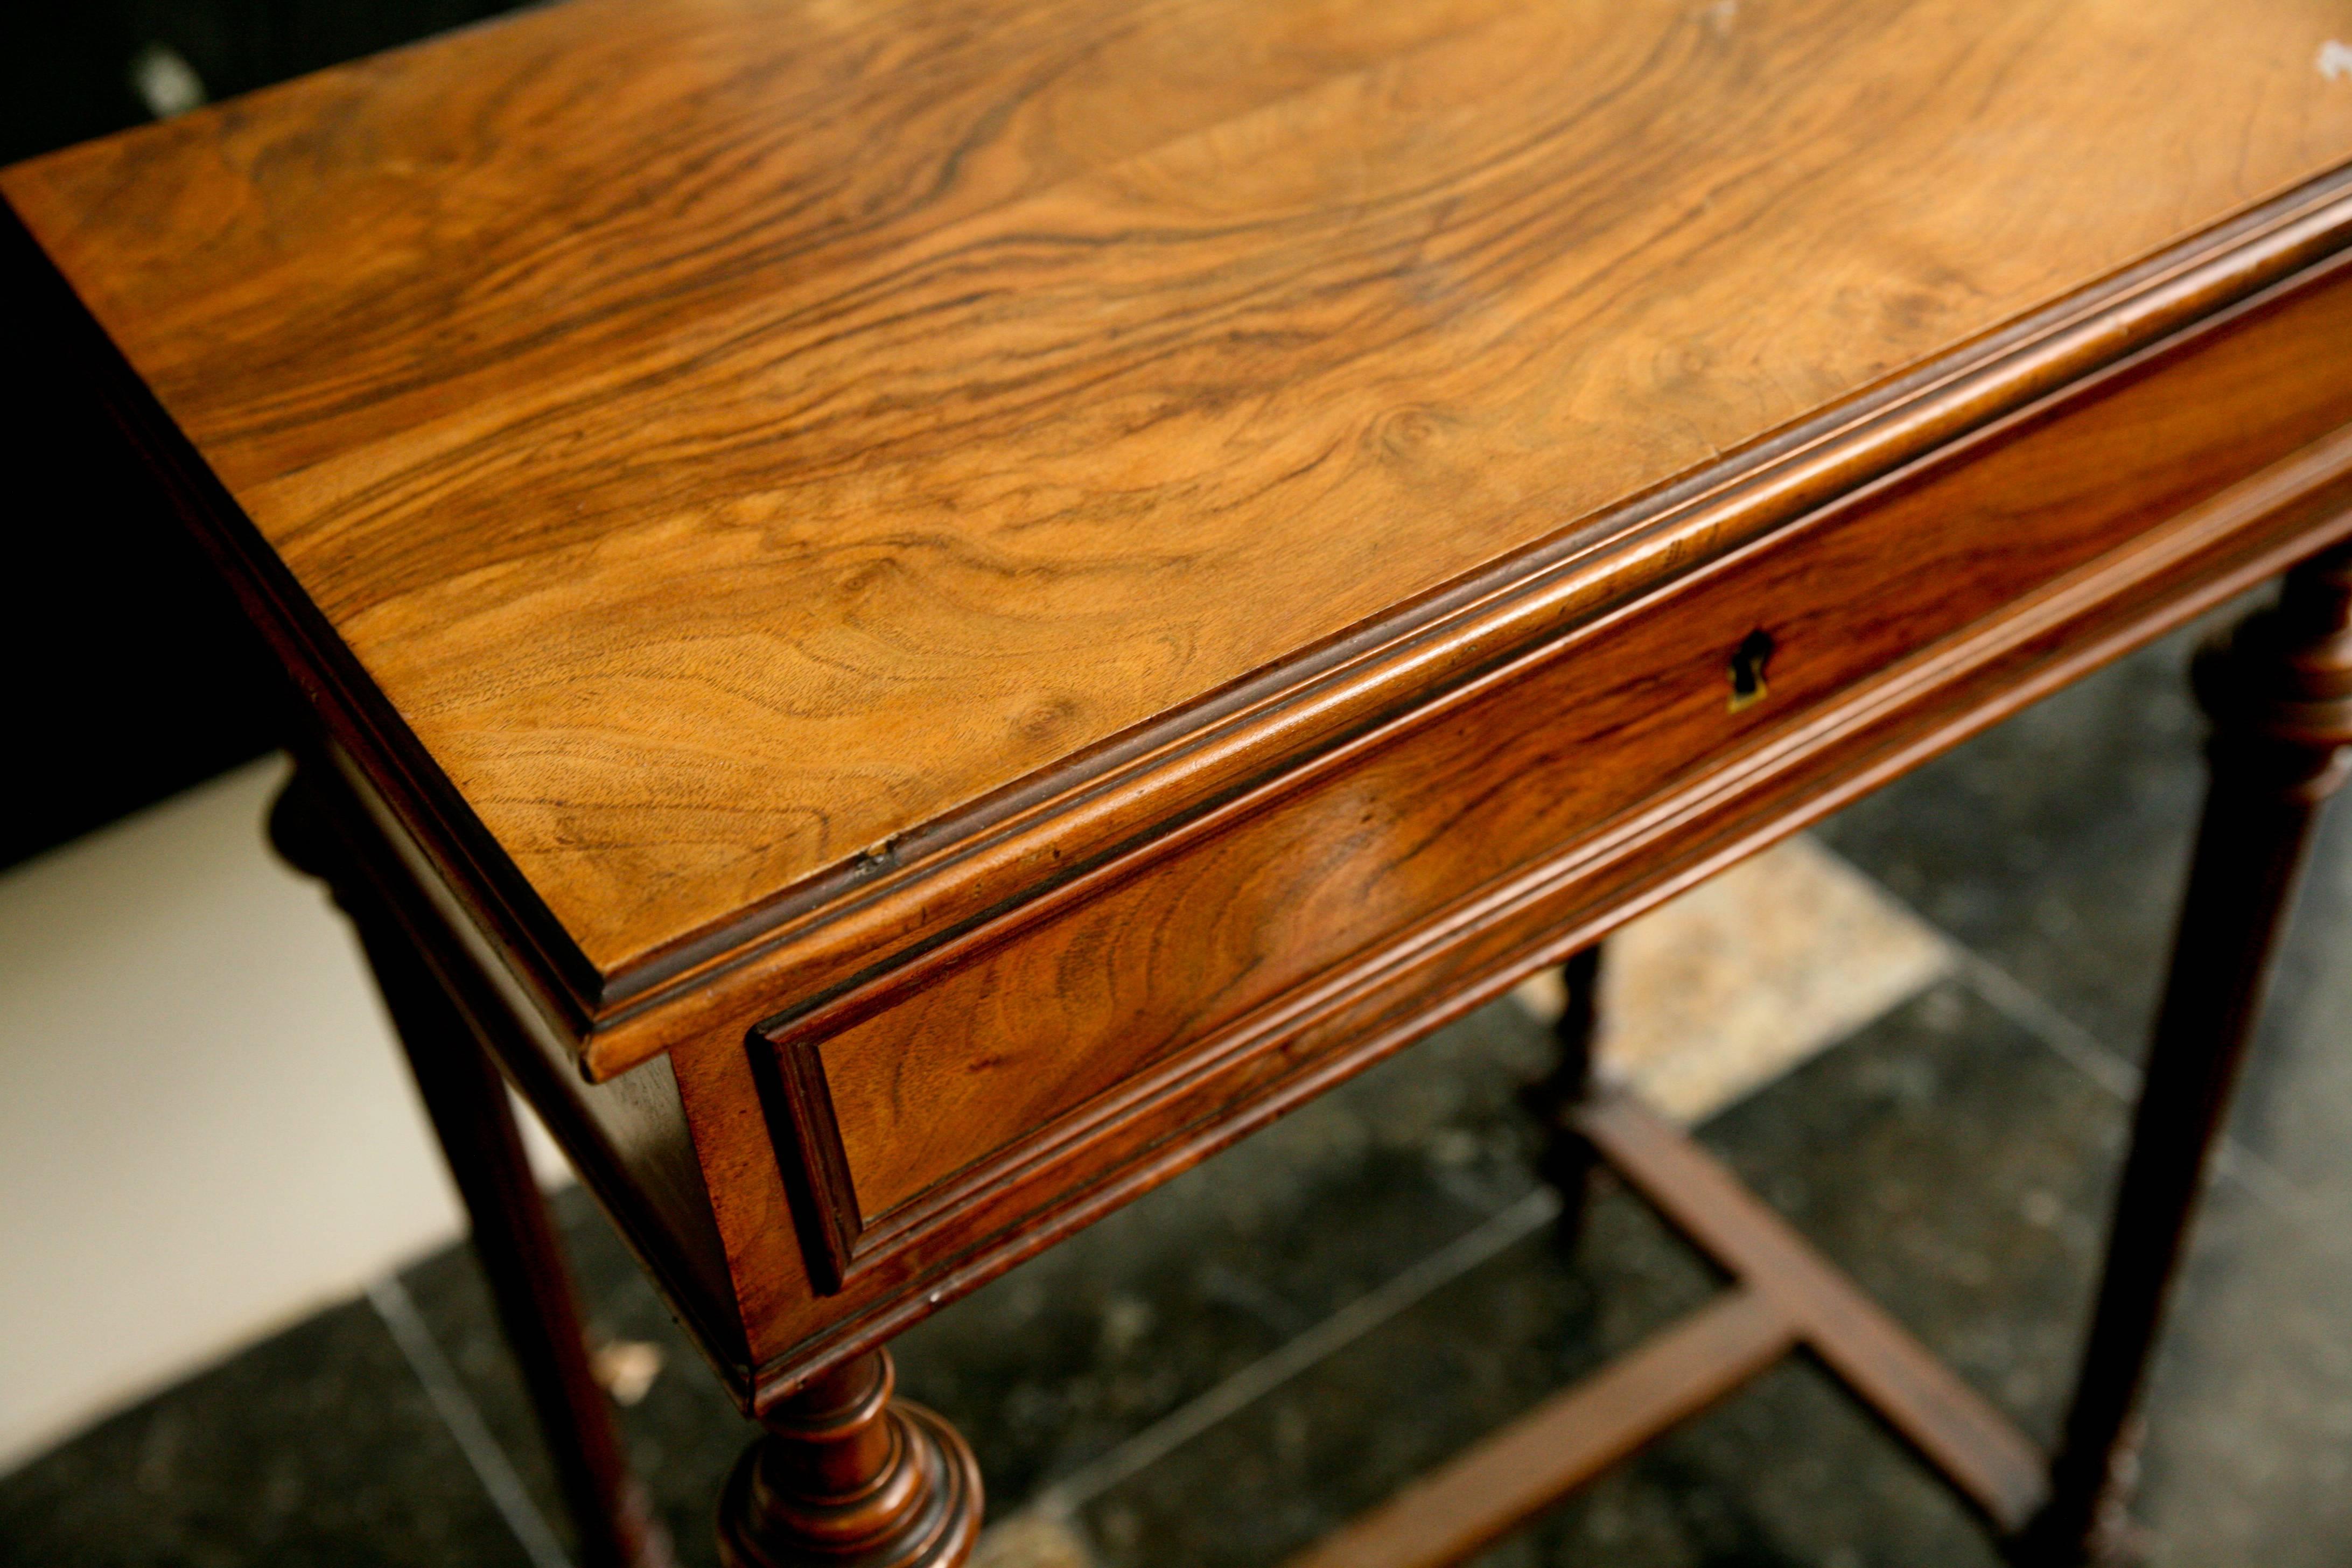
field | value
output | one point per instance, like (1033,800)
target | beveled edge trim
(818,1186)
(812,942)
(2088,617)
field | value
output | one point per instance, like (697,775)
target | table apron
(963,1110)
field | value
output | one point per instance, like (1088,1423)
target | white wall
(206,1129)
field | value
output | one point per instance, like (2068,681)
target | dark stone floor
(1956,1155)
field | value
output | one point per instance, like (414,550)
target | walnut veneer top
(733,432)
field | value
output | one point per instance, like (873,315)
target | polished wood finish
(1087,1043)
(921,613)
(749,477)
(851,1477)
(2278,691)
(514,1239)
(1358,844)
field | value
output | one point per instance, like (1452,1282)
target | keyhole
(1748,662)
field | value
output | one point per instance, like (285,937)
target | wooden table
(919,613)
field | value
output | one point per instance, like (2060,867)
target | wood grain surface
(975,1067)
(975,1046)
(1377,1000)
(734,433)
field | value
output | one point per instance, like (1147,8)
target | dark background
(132,681)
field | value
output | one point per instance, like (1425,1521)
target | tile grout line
(2082,1049)
(1063,1498)
(463,1419)
(2072,1042)
(1060,1499)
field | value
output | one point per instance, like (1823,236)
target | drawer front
(1082,1032)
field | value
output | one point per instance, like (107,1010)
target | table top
(747,442)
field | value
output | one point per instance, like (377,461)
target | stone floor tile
(2054,844)
(1056,1365)
(683,1433)
(1708,999)
(316,1446)
(1432,1381)
(2249,1453)
(1960,1171)
(2294,1110)
(1032,1539)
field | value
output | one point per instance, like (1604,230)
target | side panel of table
(963,1111)
(626,1138)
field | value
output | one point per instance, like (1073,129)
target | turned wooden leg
(513,1237)
(1567,1160)
(850,1477)
(2279,693)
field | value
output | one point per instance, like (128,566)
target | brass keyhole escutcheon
(1748,662)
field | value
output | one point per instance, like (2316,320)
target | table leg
(847,1476)
(513,1235)
(1567,1159)
(2278,693)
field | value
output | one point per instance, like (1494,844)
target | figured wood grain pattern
(731,433)
(932,1069)
(1358,1011)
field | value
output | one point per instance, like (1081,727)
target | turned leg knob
(847,1476)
